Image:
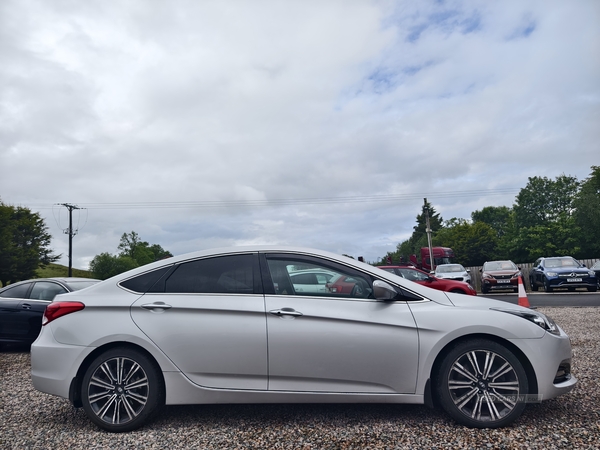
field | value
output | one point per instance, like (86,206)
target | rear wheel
(481,384)
(121,388)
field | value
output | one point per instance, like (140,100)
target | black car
(596,269)
(561,272)
(22,305)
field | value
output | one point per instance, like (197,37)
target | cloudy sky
(201,124)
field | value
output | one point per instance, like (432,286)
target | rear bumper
(54,365)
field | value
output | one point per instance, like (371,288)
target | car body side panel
(341,345)
(216,340)
(438,330)
(181,391)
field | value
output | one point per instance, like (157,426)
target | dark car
(596,269)
(500,275)
(425,279)
(561,272)
(22,305)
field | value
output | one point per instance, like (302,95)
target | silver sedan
(229,326)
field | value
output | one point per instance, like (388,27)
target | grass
(58,270)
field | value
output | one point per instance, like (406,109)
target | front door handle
(156,306)
(26,306)
(285,312)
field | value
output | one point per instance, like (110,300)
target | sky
(201,124)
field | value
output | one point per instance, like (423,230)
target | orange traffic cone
(523,295)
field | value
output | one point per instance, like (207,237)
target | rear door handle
(156,306)
(285,312)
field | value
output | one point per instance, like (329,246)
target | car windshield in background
(562,262)
(499,265)
(448,268)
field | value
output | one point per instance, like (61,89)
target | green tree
(105,265)
(141,251)
(473,243)
(587,214)
(544,201)
(544,219)
(24,244)
(497,217)
(133,253)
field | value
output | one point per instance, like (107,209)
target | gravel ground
(32,420)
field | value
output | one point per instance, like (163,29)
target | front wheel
(592,288)
(534,286)
(481,384)
(547,287)
(121,388)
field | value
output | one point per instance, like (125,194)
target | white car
(453,272)
(228,326)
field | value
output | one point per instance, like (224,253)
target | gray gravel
(32,420)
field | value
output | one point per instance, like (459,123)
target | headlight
(536,317)
(516,275)
(591,273)
(552,274)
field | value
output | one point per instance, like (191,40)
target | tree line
(548,218)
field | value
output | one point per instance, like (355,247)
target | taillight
(56,309)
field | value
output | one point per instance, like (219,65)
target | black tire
(592,288)
(484,290)
(465,384)
(121,388)
(534,287)
(547,287)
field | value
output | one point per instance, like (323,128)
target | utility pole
(428,231)
(71,233)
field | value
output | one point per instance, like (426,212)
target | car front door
(336,342)
(208,316)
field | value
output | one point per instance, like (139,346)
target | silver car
(453,272)
(228,326)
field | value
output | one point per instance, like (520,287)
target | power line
(296,201)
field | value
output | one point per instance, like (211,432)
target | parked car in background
(455,272)
(425,279)
(311,280)
(227,326)
(500,275)
(561,272)
(596,269)
(22,305)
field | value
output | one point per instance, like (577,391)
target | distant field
(57,270)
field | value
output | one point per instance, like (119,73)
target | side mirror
(383,290)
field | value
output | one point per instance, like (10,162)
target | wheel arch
(435,368)
(75,387)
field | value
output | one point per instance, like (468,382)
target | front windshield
(499,265)
(561,262)
(450,268)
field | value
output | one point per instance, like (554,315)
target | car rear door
(208,317)
(13,319)
(336,342)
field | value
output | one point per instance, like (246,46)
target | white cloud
(145,102)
